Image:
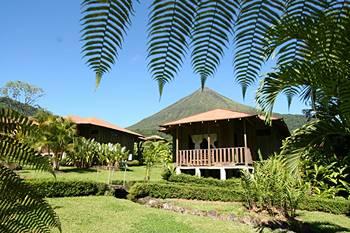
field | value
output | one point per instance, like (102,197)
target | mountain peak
(198,102)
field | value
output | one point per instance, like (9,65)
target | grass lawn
(108,214)
(318,221)
(92,174)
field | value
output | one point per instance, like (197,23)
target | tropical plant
(319,75)
(55,136)
(155,152)
(22,209)
(83,153)
(273,188)
(112,155)
(328,176)
(205,27)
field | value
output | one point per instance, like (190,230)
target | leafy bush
(167,190)
(68,188)
(335,206)
(273,188)
(327,175)
(83,153)
(168,171)
(234,183)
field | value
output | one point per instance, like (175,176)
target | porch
(220,143)
(230,157)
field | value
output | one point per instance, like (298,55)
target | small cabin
(105,132)
(219,142)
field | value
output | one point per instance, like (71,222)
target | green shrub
(273,188)
(234,183)
(68,188)
(168,171)
(168,190)
(335,206)
(187,191)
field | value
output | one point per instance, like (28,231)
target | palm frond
(21,209)
(213,25)
(169,28)
(254,20)
(104,26)
(314,134)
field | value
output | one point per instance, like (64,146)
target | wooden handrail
(214,157)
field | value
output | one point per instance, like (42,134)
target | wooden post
(209,154)
(177,147)
(245,142)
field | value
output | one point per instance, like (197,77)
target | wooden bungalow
(105,132)
(219,142)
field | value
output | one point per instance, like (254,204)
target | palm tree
(203,27)
(55,136)
(320,75)
(21,208)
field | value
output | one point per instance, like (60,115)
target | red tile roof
(99,122)
(213,115)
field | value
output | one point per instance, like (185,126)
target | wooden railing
(214,157)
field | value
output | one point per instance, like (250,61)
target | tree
(320,75)
(155,152)
(21,208)
(22,92)
(203,27)
(55,136)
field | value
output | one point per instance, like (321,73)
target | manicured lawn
(108,214)
(318,221)
(92,174)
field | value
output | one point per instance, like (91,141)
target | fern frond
(214,23)
(169,28)
(15,151)
(21,209)
(253,22)
(12,122)
(104,26)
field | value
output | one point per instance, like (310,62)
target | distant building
(105,132)
(221,141)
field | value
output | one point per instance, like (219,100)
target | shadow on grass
(78,170)
(299,226)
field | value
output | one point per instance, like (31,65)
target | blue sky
(40,45)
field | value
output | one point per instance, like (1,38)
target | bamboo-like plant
(21,208)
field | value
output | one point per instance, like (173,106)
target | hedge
(68,188)
(188,179)
(209,193)
(335,206)
(168,190)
